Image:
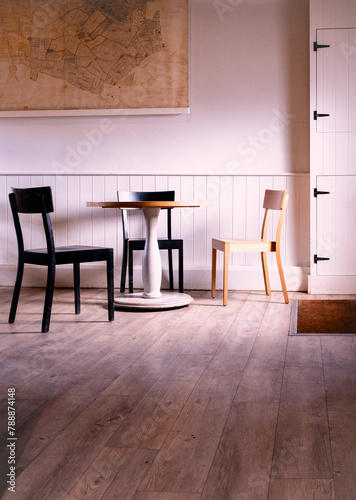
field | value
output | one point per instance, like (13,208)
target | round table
(152,297)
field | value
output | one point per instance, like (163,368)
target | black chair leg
(123,268)
(76,275)
(170,269)
(16,293)
(49,298)
(130,270)
(180,267)
(110,284)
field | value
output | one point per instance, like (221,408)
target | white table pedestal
(151,262)
(168,300)
(152,297)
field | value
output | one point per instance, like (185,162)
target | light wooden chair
(273,200)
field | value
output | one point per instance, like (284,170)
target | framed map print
(93,57)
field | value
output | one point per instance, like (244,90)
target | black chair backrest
(145,196)
(36,200)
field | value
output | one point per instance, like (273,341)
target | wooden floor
(204,402)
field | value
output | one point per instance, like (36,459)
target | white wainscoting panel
(235,211)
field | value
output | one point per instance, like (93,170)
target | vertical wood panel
(23,182)
(342,69)
(342,224)
(342,153)
(73,211)
(200,223)
(212,216)
(254,203)
(112,218)
(174,185)
(123,184)
(292,221)
(187,217)
(301,209)
(61,210)
(32,223)
(159,183)
(352,153)
(328,149)
(239,224)
(47,180)
(86,222)
(223,191)
(98,215)
(136,226)
(326,81)
(280,182)
(267,183)
(296,228)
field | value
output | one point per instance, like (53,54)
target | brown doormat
(323,317)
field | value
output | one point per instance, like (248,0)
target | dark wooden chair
(39,200)
(129,245)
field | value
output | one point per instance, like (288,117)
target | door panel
(336,80)
(336,225)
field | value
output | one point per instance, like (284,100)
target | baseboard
(247,278)
(94,276)
(337,285)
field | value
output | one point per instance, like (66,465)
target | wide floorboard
(200,403)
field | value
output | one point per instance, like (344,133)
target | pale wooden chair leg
(225,275)
(281,276)
(265,273)
(213,273)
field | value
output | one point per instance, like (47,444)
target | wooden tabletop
(143,204)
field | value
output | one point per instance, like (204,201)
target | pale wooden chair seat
(236,245)
(273,200)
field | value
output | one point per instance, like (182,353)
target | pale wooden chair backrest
(274,200)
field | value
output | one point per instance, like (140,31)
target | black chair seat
(39,201)
(65,255)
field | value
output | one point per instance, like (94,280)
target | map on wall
(93,54)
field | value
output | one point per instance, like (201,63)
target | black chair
(129,245)
(39,200)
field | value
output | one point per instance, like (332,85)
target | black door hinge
(316,46)
(316,192)
(317,259)
(319,115)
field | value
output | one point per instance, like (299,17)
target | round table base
(169,300)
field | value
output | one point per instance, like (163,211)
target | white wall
(248,68)
(249,115)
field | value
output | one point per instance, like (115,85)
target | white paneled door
(335,166)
